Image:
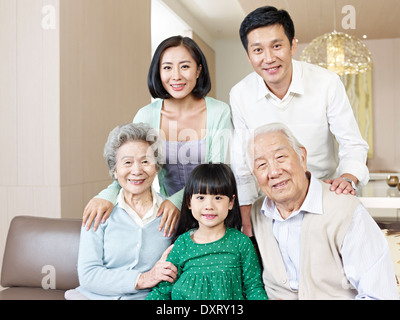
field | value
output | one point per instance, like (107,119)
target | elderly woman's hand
(162,271)
(98,210)
(170,216)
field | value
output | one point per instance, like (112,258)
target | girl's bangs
(212,185)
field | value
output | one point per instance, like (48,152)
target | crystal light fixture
(339,52)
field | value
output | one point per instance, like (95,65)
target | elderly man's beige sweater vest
(321,268)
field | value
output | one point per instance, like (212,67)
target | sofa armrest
(41,252)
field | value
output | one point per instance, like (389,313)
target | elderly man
(314,244)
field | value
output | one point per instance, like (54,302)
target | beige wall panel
(47,201)
(385,84)
(383,117)
(51,97)
(93,188)
(20,201)
(210,56)
(29,93)
(4,223)
(396,84)
(232,66)
(73,208)
(105,53)
(8,110)
(71,91)
(37,86)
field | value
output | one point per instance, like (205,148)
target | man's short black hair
(263,17)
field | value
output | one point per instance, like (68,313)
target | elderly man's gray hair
(280,127)
(130,132)
(270,128)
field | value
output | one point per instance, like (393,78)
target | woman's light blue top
(111,258)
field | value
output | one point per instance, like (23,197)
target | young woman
(195,128)
(215,261)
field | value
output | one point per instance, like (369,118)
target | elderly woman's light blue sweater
(111,258)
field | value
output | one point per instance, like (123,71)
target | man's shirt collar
(296,85)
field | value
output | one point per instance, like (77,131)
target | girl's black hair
(215,179)
(203,85)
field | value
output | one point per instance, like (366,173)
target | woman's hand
(162,271)
(98,210)
(170,216)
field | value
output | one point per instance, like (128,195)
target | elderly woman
(119,259)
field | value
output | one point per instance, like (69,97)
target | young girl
(215,260)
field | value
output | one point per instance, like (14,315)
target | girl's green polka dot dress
(227,269)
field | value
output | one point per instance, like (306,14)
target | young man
(311,100)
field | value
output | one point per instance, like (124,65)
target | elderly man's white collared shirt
(315,108)
(363,269)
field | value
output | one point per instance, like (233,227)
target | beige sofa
(40,258)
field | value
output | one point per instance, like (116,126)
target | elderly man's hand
(170,216)
(162,271)
(339,185)
(97,210)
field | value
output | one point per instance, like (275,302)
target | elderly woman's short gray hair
(130,132)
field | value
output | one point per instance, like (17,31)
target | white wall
(231,66)
(165,23)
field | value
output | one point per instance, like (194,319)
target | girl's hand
(170,215)
(98,210)
(162,271)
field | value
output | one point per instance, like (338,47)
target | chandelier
(338,52)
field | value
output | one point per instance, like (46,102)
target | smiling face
(135,168)
(270,53)
(210,210)
(178,72)
(280,171)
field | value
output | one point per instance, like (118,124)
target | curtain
(359,91)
